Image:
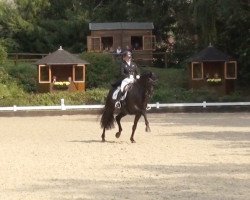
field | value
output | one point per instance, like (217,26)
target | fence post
(204,104)
(165,60)
(14,108)
(63,105)
(157,105)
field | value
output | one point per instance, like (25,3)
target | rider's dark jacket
(127,70)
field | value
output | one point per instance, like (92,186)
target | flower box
(61,85)
(214,81)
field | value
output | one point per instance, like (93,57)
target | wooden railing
(25,57)
(158,59)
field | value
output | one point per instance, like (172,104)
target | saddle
(118,89)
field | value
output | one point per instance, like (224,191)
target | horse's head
(149,77)
(153,78)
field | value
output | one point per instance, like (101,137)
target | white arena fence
(157,105)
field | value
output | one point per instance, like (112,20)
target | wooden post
(16,58)
(165,60)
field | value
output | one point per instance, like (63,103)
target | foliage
(95,96)
(44,25)
(205,20)
(3,54)
(102,70)
(193,24)
(171,88)
(25,75)
(8,86)
(234,35)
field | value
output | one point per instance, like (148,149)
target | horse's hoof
(132,141)
(118,134)
(148,129)
(103,140)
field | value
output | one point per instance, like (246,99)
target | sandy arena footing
(186,156)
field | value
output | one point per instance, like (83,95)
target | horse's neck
(145,89)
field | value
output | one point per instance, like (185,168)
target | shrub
(8,86)
(25,75)
(101,71)
(3,54)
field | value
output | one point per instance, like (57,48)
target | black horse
(135,103)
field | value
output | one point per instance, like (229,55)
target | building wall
(62,74)
(225,87)
(121,38)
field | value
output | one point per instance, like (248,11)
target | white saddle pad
(114,96)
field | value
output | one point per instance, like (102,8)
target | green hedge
(94,96)
(16,83)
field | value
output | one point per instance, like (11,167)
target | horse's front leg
(146,121)
(137,117)
(118,120)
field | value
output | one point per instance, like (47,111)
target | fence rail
(25,57)
(159,59)
(157,105)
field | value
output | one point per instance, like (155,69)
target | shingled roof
(209,54)
(60,57)
(121,26)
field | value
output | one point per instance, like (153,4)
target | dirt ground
(186,156)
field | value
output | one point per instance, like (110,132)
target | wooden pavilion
(61,70)
(213,69)
(136,36)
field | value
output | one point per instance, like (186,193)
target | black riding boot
(118,102)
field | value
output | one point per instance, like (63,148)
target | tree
(205,20)
(233,28)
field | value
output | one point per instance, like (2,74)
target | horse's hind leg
(103,135)
(137,117)
(146,122)
(118,120)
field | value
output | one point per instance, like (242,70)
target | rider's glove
(137,76)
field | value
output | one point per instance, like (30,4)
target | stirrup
(118,104)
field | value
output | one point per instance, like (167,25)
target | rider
(129,72)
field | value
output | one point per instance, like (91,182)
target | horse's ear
(153,76)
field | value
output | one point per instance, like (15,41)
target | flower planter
(214,81)
(64,85)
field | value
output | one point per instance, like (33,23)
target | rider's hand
(137,76)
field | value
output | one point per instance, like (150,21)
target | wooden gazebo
(61,70)
(212,69)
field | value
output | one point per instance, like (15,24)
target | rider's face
(128,56)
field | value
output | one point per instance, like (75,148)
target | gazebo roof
(61,57)
(209,54)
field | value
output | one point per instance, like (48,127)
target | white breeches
(126,81)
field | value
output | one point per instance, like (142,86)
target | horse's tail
(107,120)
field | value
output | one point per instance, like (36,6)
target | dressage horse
(135,103)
